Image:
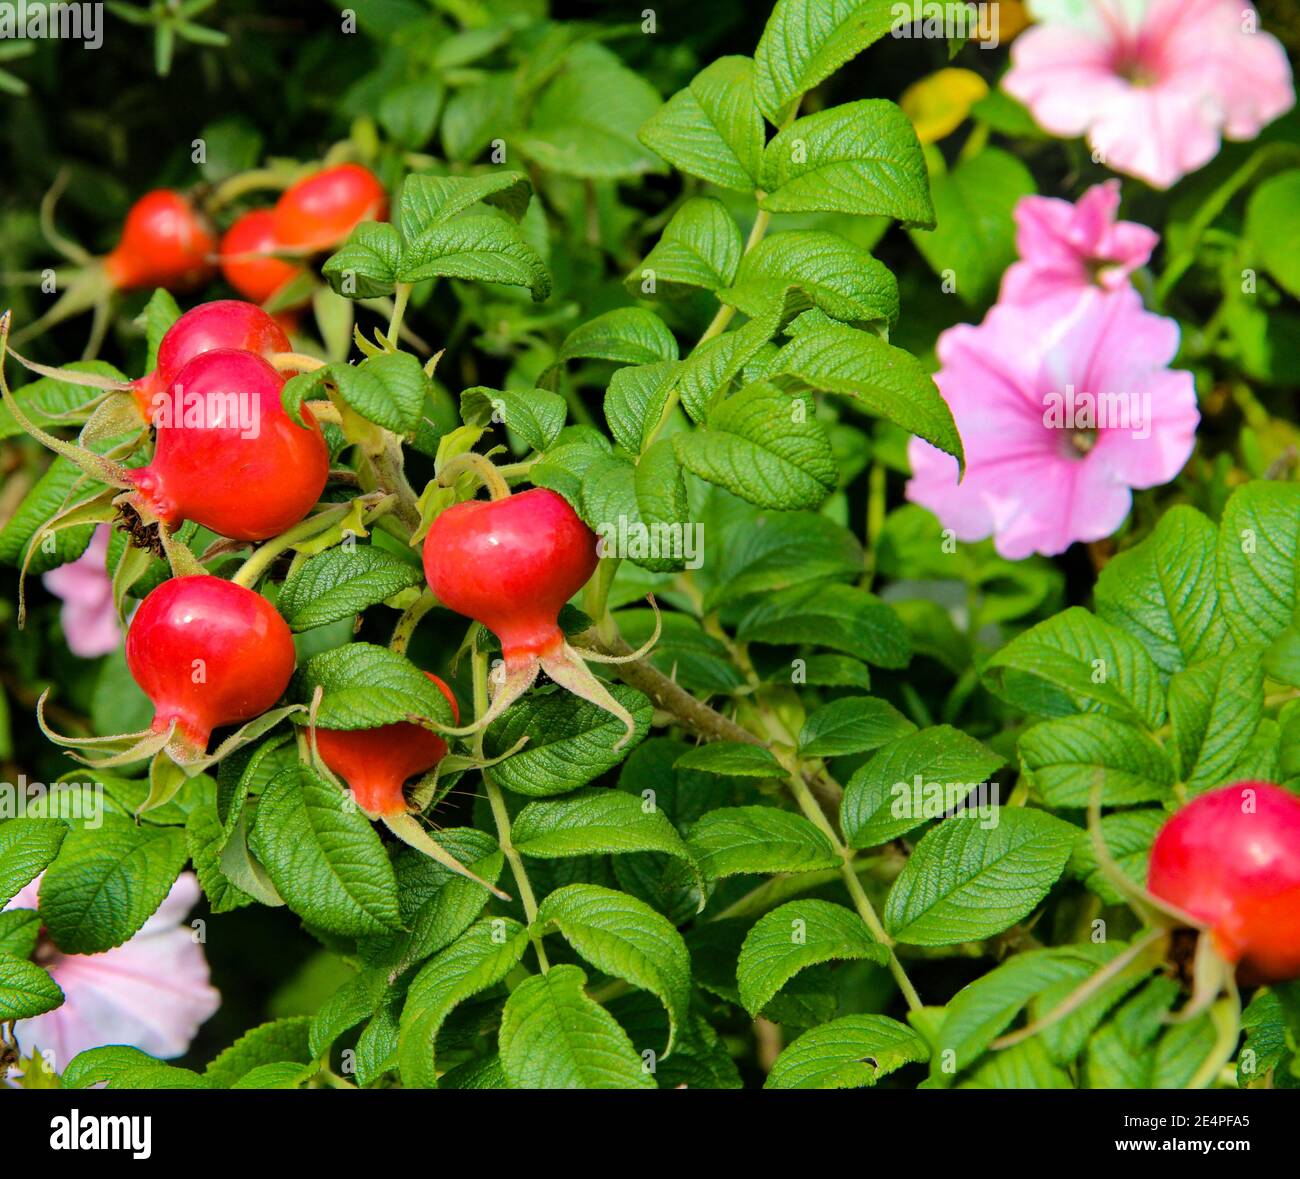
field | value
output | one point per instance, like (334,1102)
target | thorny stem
(500,815)
(390,472)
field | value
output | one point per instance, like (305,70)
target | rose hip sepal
(1231,858)
(511,564)
(209,654)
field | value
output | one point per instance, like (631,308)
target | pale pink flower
(1043,470)
(89,620)
(1154,84)
(150,993)
(1066,249)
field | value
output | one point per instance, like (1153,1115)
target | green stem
(257,564)
(482,466)
(861,902)
(402,293)
(409,620)
(500,815)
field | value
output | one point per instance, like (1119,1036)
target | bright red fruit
(320,210)
(376,763)
(223,323)
(511,564)
(164,243)
(208,653)
(226,454)
(1231,858)
(247,257)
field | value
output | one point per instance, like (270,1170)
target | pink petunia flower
(1066,249)
(1061,416)
(1154,84)
(150,993)
(89,620)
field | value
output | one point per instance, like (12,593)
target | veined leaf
(848,1053)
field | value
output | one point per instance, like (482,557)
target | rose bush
(720,553)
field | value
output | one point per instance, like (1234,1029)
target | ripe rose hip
(1231,858)
(164,243)
(208,653)
(376,763)
(247,257)
(320,210)
(226,454)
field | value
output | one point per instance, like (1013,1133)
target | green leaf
(1259,560)
(965,882)
(108,881)
(639,510)
(625,938)
(1064,759)
(481,247)
(635,402)
(806,41)
(1215,709)
(474,115)
(1128,836)
(712,129)
(848,1053)
(585,123)
(409,111)
(570,741)
(918,777)
(709,370)
(340,583)
(119,1067)
(388,389)
(27,846)
(841,617)
(839,276)
(1273,228)
(535,417)
(759,446)
(205,839)
(595,822)
(852,724)
(19,931)
(700,248)
(366,686)
(732,759)
(626,335)
(280,1041)
(793,937)
(553,1036)
(366,265)
(974,237)
(25,989)
(861,158)
(1074,662)
(324,857)
(1163,591)
(877,377)
(479,959)
(429,201)
(731,841)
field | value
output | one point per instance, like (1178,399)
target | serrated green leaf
(366,686)
(19,930)
(366,265)
(841,617)
(119,1067)
(794,936)
(428,200)
(861,158)
(713,128)
(852,724)
(732,759)
(324,856)
(595,822)
(570,741)
(1064,759)
(699,248)
(480,247)
(625,938)
(536,417)
(340,583)
(388,389)
(1128,836)
(48,396)
(280,1041)
(848,1053)
(965,881)
(918,777)
(26,848)
(1215,709)
(553,1036)
(205,839)
(479,959)
(883,380)
(805,41)
(626,335)
(25,989)
(108,881)
(730,841)
(635,402)
(1259,560)
(706,373)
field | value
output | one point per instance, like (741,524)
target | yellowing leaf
(939,104)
